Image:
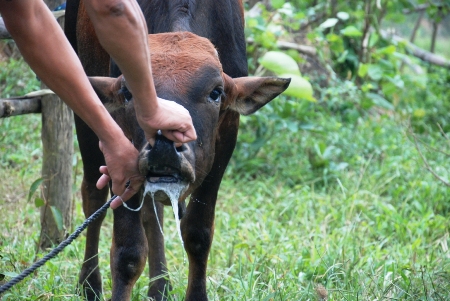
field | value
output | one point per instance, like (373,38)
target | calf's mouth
(165,184)
(167,170)
(164,174)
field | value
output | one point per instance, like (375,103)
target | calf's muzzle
(162,162)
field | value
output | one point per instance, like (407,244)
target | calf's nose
(163,156)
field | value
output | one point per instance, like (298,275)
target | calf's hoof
(159,290)
(90,286)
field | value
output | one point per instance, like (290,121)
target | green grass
(315,201)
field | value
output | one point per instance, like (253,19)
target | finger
(190,134)
(130,186)
(118,187)
(117,202)
(186,134)
(103,181)
(151,140)
(171,135)
(150,137)
(104,170)
(128,193)
(181,137)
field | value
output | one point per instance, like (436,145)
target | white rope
(131,209)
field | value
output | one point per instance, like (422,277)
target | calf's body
(209,80)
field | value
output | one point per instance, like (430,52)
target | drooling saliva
(173,191)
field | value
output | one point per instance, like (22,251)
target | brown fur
(176,58)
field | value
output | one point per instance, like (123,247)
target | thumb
(150,137)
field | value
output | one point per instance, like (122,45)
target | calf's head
(186,69)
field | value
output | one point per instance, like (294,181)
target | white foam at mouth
(173,191)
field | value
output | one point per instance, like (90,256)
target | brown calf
(189,70)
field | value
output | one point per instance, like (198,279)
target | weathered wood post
(57,142)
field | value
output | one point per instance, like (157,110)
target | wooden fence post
(57,141)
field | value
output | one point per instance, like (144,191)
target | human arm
(45,48)
(121,29)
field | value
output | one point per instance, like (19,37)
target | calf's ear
(246,95)
(108,90)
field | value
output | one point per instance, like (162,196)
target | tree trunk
(57,142)
(416,27)
(434,36)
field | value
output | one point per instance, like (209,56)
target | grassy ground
(327,207)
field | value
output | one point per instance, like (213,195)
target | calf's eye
(215,94)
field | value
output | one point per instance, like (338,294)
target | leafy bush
(16,78)
(367,75)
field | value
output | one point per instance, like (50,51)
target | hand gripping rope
(58,249)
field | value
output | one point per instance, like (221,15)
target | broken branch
(427,166)
(420,53)
(19,106)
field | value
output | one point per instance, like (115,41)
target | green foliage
(434,105)
(57,217)
(350,40)
(16,78)
(369,73)
(279,63)
(34,187)
(299,87)
(285,66)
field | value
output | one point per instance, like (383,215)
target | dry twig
(427,165)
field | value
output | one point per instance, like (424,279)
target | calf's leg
(90,277)
(197,226)
(159,288)
(129,250)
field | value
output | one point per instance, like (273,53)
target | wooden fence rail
(20,105)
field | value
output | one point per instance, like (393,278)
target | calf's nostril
(181,148)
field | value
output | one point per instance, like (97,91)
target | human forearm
(45,48)
(36,32)
(122,31)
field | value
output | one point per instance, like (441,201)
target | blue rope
(56,250)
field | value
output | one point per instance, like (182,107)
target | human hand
(121,166)
(172,119)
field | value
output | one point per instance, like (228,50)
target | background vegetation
(329,195)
